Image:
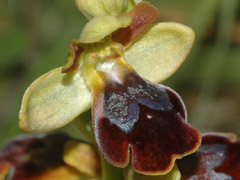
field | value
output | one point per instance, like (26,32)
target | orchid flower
(217,158)
(56,156)
(48,157)
(114,67)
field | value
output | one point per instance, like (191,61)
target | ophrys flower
(128,111)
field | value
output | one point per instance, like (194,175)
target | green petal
(129,5)
(93,8)
(137,1)
(113,7)
(53,100)
(100,27)
(160,51)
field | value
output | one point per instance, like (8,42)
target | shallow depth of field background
(34,35)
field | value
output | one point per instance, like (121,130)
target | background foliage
(34,35)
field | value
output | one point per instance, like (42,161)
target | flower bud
(92,8)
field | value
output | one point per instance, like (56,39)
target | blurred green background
(34,35)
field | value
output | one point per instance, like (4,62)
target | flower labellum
(217,158)
(148,118)
(40,157)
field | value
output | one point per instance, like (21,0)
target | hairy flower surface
(129,112)
(40,157)
(217,158)
(148,118)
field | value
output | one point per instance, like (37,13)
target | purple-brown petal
(4,168)
(217,158)
(32,156)
(72,58)
(149,118)
(231,165)
(218,138)
(143,15)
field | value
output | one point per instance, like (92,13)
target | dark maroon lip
(217,158)
(122,101)
(30,155)
(149,118)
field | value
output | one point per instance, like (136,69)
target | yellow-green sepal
(94,8)
(83,157)
(138,1)
(102,26)
(159,52)
(113,7)
(53,100)
(129,5)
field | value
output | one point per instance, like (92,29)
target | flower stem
(110,172)
(84,128)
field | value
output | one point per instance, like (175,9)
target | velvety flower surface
(148,118)
(217,158)
(129,113)
(40,157)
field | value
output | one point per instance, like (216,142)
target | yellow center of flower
(99,58)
